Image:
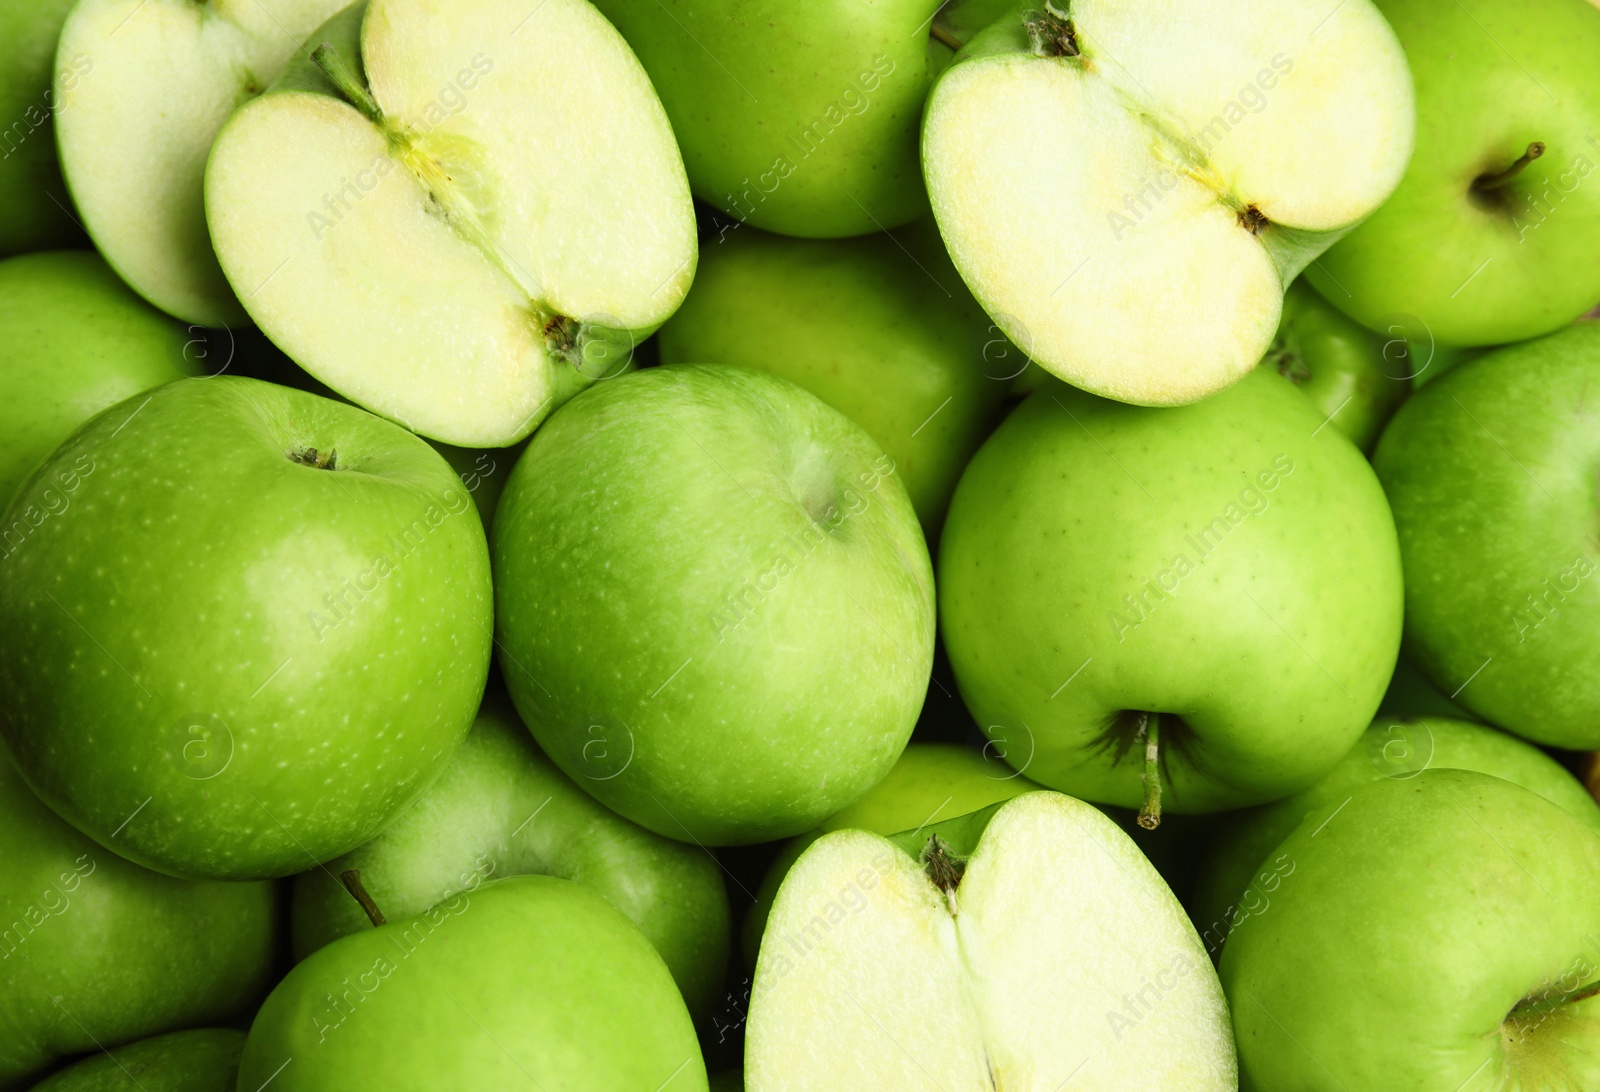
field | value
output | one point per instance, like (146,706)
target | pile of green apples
(659,545)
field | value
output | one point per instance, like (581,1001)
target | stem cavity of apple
(315,459)
(351,878)
(1487,184)
(1150,731)
(344,77)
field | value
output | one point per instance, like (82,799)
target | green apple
(484,472)
(1242,871)
(1356,378)
(930,783)
(485,211)
(1129,188)
(142,87)
(1441,931)
(799,118)
(1490,470)
(96,951)
(880,328)
(526,982)
(73,340)
(1028,945)
(1148,605)
(206,1060)
(714,606)
(35,211)
(1410,694)
(1494,234)
(254,637)
(502,809)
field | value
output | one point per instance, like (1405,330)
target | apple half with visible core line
(1092,168)
(484,211)
(141,89)
(1024,946)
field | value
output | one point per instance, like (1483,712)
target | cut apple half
(1128,189)
(1028,946)
(142,88)
(456,215)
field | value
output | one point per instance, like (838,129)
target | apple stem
(338,70)
(1150,729)
(1493,182)
(351,878)
(942,35)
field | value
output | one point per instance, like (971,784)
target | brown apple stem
(351,878)
(942,35)
(1492,182)
(1150,728)
(338,70)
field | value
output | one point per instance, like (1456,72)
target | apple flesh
(35,211)
(1241,872)
(339,576)
(485,211)
(96,951)
(1437,932)
(714,606)
(527,982)
(203,1060)
(1025,946)
(880,328)
(142,88)
(502,809)
(1094,168)
(73,340)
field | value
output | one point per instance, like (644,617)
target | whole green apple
(73,340)
(501,808)
(252,639)
(1493,235)
(526,982)
(799,118)
(35,211)
(1441,931)
(1195,607)
(1356,378)
(96,951)
(930,783)
(1490,471)
(714,605)
(880,328)
(204,1060)
(1241,871)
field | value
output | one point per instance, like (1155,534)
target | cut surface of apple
(1129,188)
(142,87)
(1028,946)
(459,214)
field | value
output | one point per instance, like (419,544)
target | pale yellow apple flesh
(135,128)
(1129,190)
(1060,959)
(515,218)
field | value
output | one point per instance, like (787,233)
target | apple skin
(477,823)
(1356,378)
(932,782)
(1413,922)
(73,340)
(1491,78)
(1411,695)
(881,328)
(1230,884)
(714,605)
(35,211)
(125,952)
(1490,472)
(203,1060)
(1060,562)
(528,981)
(316,708)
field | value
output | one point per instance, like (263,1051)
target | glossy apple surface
(204,1060)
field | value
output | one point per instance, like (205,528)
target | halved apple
(141,88)
(1026,946)
(1128,188)
(456,215)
